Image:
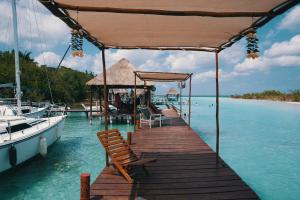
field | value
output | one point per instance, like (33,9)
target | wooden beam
(161,12)
(134,102)
(190,93)
(105,99)
(91,103)
(217,108)
(180,99)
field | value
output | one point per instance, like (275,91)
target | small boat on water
(23,137)
(31,109)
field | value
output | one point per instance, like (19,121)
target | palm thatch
(119,75)
(172,91)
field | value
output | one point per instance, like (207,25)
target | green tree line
(67,85)
(275,95)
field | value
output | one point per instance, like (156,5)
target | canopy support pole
(190,91)
(217,107)
(91,104)
(180,99)
(100,100)
(105,99)
(134,102)
(145,100)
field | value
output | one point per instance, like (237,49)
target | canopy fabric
(166,24)
(162,76)
(119,75)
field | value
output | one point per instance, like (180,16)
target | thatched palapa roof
(119,75)
(172,91)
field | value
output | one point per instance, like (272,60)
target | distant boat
(27,109)
(22,137)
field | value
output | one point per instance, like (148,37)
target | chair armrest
(155,115)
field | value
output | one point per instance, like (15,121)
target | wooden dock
(185,169)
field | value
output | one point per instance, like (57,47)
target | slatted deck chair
(122,157)
(147,117)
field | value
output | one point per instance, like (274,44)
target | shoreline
(270,100)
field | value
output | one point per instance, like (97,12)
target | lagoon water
(260,140)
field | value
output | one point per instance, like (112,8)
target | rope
(41,38)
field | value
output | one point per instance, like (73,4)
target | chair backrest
(116,147)
(146,113)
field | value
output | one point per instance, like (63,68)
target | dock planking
(185,169)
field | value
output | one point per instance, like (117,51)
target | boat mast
(17,64)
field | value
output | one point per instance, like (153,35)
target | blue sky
(277,68)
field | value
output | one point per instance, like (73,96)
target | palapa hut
(119,77)
(172,94)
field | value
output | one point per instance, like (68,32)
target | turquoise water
(260,140)
(57,176)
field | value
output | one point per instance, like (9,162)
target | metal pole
(105,99)
(100,99)
(145,93)
(91,103)
(134,102)
(180,99)
(217,106)
(17,62)
(190,92)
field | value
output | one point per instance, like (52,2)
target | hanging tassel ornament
(252,46)
(76,42)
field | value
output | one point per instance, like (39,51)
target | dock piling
(85,186)
(129,136)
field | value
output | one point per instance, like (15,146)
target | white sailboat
(21,137)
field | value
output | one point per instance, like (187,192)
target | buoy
(43,146)
(13,156)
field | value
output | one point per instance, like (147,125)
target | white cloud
(47,58)
(211,74)
(291,47)
(281,54)
(187,61)
(291,20)
(203,76)
(38,29)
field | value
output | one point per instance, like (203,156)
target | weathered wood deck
(185,169)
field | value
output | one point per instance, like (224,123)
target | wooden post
(190,92)
(100,99)
(134,103)
(85,186)
(91,104)
(217,107)
(180,99)
(129,137)
(105,100)
(145,93)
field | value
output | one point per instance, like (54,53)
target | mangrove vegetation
(67,85)
(293,96)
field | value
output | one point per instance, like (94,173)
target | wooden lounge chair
(122,157)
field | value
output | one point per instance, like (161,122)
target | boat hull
(30,146)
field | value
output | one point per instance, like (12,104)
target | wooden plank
(185,169)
